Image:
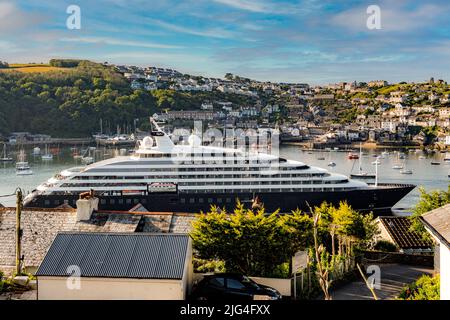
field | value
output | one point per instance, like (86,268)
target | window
(217,282)
(235,284)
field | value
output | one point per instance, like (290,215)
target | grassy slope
(30,68)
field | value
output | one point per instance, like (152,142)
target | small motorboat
(23,169)
(406,171)
(397,167)
(353,156)
(331,164)
(321,158)
(363,175)
(435,163)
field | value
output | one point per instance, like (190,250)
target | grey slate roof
(117,255)
(438,221)
(40,227)
(399,228)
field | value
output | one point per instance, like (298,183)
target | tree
(250,242)
(428,201)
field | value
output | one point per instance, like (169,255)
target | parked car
(227,286)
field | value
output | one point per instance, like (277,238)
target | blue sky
(310,41)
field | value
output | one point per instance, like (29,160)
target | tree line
(71,102)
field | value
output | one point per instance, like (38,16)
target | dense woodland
(71,102)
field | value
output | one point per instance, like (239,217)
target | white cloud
(13,20)
(276,7)
(117,42)
(393,17)
(249,5)
(212,33)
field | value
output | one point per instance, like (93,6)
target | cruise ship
(167,177)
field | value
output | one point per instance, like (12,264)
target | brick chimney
(86,205)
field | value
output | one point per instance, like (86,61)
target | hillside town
(377,112)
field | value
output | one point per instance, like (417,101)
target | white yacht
(163,176)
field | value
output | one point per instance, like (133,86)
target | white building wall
(55,288)
(445,271)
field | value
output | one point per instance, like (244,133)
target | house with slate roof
(397,230)
(40,227)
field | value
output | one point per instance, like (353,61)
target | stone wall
(395,257)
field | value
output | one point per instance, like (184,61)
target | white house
(112,266)
(437,223)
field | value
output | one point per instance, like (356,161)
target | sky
(303,41)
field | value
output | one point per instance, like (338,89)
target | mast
(376,172)
(360,156)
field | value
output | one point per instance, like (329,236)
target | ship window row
(270,190)
(212,183)
(237,183)
(194,169)
(192,155)
(200,176)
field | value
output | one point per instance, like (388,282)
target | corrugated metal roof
(117,255)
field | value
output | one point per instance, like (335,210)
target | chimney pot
(85,207)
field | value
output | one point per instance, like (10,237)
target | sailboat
(5,157)
(399,165)
(22,166)
(47,156)
(361,174)
(405,170)
(87,159)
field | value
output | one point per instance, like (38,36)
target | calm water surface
(424,174)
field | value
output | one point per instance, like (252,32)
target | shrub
(385,246)
(425,288)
